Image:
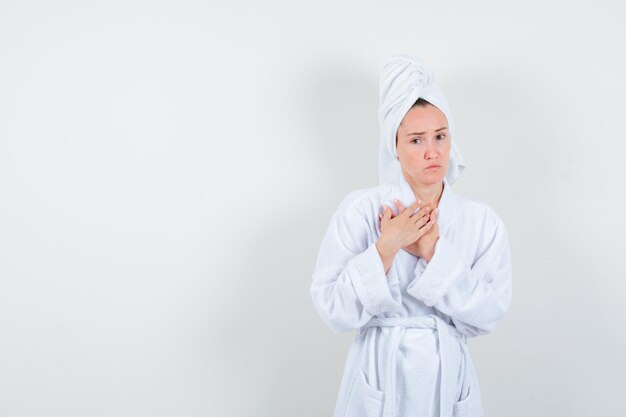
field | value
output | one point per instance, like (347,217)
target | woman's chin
(431,178)
(426,178)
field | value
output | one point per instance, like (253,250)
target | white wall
(168,169)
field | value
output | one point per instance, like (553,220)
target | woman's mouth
(433,167)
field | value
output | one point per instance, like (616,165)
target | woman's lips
(433,167)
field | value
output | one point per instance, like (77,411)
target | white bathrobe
(414,361)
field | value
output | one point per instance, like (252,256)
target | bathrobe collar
(448,203)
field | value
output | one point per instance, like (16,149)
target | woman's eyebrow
(421,133)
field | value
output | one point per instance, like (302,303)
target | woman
(414,268)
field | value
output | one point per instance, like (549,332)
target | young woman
(410,265)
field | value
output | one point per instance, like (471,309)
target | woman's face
(424,140)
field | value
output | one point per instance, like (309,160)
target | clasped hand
(416,234)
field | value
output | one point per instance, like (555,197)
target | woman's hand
(423,246)
(403,230)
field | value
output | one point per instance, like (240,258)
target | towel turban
(404,79)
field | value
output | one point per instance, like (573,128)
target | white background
(168,170)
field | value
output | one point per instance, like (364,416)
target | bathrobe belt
(400,324)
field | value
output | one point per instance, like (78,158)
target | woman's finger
(423,212)
(421,208)
(424,229)
(408,212)
(398,205)
(435,214)
(387,212)
(419,223)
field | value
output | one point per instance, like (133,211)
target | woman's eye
(415,139)
(442,136)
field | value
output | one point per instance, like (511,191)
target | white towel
(404,79)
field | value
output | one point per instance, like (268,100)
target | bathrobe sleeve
(474,295)
(349,282)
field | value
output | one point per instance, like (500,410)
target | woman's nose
(431,152)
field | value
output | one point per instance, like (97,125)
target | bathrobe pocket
(463,407)
(363,399)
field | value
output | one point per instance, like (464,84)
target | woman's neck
(428,194)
